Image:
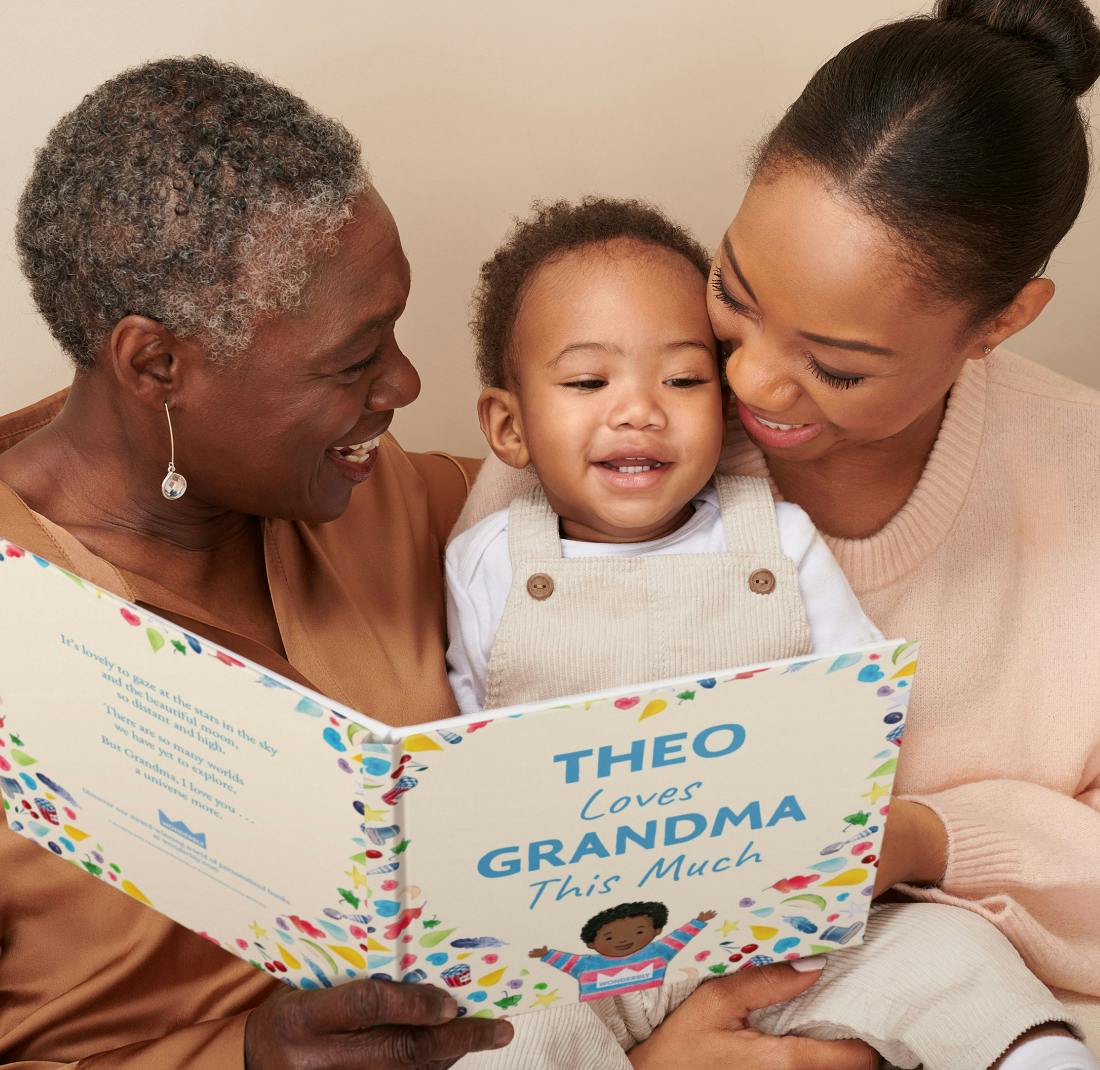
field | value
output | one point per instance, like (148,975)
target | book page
(736,819)
(192,780)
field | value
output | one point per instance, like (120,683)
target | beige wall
(466,112)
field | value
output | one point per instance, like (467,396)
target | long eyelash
(720,293)
(363,365)
(837,382)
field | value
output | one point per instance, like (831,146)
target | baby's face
(619,396)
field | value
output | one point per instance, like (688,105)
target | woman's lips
(355,461)
(783,437)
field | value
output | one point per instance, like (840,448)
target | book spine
(383,838)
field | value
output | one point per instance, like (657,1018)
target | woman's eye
(725,296)
(837,380)
(682,382)
(356,369)
(586,384)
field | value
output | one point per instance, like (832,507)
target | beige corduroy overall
(584,624)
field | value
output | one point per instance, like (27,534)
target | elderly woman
(894,235)
(210,253)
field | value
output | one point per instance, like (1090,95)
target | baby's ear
(501,423)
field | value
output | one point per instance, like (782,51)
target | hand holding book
(711,1029)
(365,1024)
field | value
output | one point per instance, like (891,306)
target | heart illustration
(869,674)
(625,703)
(130,618)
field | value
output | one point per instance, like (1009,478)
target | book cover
(522,859)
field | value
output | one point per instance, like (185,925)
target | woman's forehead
(808,253)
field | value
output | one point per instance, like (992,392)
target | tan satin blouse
(89,977)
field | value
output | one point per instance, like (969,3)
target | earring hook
(174,485)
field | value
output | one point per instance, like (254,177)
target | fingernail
(502,1033)
(448,1008)
(809,964)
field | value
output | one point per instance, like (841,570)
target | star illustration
(358,878)
(877,792)
(258,930)
(728,927)
(372,815)
(545,998)
(852,908)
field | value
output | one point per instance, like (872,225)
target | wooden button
(762,581)
(540,586)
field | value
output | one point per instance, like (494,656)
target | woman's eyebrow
(851,344)
(365,330)
(728,249)
(848,343)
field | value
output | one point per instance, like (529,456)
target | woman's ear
(141,355)
(1019,313)
(501,424)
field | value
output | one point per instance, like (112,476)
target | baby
(632,560)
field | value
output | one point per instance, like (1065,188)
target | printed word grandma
(676,829)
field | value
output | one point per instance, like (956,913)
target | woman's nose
(397,385)
(760,378)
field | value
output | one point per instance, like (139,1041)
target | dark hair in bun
(961,133)
(1062,32)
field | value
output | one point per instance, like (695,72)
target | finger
(362,1004)
(424,1047)
(749,990)
(801,1053)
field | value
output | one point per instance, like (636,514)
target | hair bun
(1063,31)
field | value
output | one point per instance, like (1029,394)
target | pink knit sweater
(994,565)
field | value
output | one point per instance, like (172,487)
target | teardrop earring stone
(174,486)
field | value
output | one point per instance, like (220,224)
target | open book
(522,858)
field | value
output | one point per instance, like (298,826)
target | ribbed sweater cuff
(980,859)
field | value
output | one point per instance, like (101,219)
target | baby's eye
(684,381)
(586,384)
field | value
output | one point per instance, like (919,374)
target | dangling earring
(986,351)
(174,485)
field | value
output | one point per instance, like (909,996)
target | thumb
(749,990)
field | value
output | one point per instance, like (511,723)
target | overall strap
(748,514)
(532,529)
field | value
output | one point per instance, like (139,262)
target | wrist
(927,839)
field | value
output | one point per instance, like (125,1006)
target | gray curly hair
(191,191)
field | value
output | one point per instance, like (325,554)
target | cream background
(468,111)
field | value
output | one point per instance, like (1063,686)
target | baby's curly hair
(191,191)
(656,912)
(552,231)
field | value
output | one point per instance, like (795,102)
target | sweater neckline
(920,526)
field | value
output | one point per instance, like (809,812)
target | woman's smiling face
(276,433)
(830,335)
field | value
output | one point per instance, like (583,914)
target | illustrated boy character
(624,956)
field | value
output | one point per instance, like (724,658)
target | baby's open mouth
(632,466)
